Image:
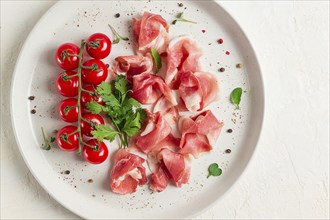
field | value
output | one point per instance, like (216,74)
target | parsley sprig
(125,113)
(117,36)
(182,19)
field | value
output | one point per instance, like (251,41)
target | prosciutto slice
(182,56)
(133,65)
(197,90)
(171,166)
(199,133)
(155,131)
(148,88)
(127,172)
(151,31)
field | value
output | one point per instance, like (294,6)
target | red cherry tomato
(66,85)
(92,155)
(95,73)
(67,56)
(68,110)
(93,121)
(66,139)
(98,46)
(87,97)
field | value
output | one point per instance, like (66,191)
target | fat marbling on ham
(155,131)
(151,31)
(197,90)
(148,88)
(127,172)
(199,133)
(182,56)
(133,65)
(167,165)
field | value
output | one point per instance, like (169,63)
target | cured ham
(148,88)
(155,131)
(151,31)
(169,111)
(182,56)
(133,65)
(127,172)
(171,166)
(169,141)
(199,133)
(197,90)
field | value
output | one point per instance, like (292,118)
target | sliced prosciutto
(148,88)
(182,56)
(133,65)
(197,90)
(171,166)
(156,130)
(127,173)
(168,109)
(199,133)
(151,31)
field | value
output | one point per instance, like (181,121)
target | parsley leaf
(156,58)
(214,170)
(132,124)
(94,107)
(103,88)
(235,97)
(180,18)
(124,112)
(117,36)
(102,132)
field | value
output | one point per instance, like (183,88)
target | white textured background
(289,175)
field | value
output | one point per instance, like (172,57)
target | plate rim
(262,109)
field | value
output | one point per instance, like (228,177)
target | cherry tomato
(87,97)
(66,85)
(66,139)
(95,156)
(93,121)
(98,46)
(68,110)
(95,73)
(67,56)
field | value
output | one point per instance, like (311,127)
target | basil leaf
(157,60)
(235,97)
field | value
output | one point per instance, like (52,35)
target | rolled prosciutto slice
(155,131)
(133,65)
(182,56)
(197,90)
(127,172)
(148,88)
(151,31)
(171,166)
(199,133)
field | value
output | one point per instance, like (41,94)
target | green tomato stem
(82,46)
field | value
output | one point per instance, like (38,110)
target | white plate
(36,72)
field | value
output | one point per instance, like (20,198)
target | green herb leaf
(235,97)
(117,36)
(103,88)
(52,139)
(157,60)
(180,18)
(125,113)
(214,170)
(94,107)
(132,124)
(104,132)
(121,85)
(47,145)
